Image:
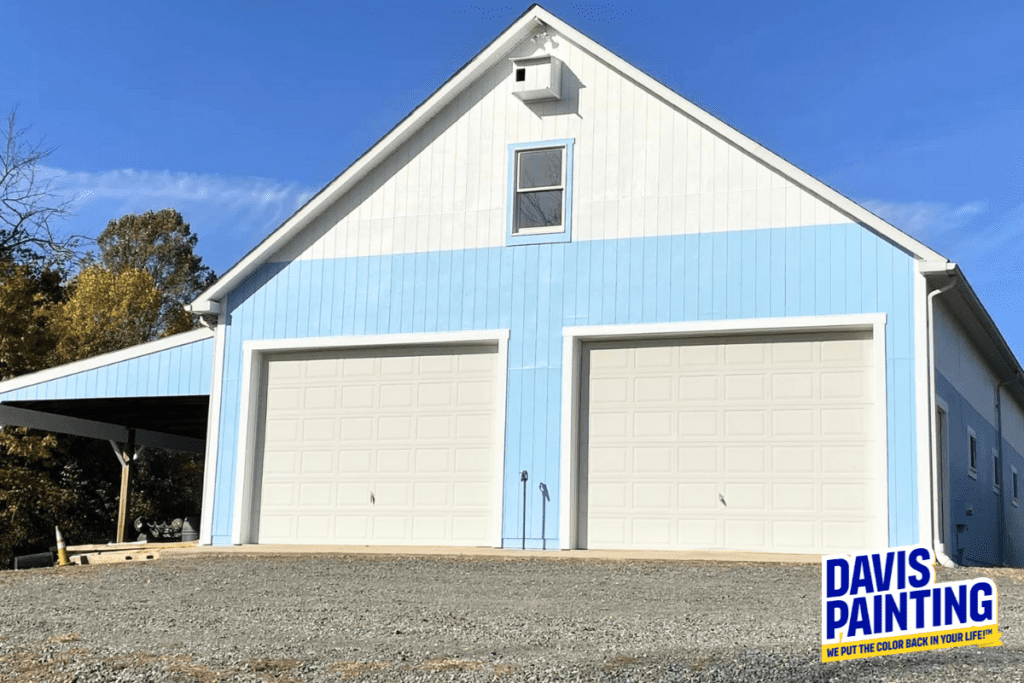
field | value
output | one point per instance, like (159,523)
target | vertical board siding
(185,370)
(642,169)
(537,290)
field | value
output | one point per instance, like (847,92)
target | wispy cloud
(167,186)
(229,213)
(926,220)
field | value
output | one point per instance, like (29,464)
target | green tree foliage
(105,311)
(162,244)
(29,292)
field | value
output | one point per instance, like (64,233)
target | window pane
(538,209)
(540,168)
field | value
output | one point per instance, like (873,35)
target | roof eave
(487,57)
(491,54)
(975,318)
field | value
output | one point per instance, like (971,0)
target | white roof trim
(483,61)
(105,359)
(490,55)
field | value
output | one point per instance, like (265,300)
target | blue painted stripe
(536,290)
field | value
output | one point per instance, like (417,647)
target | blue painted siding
(185,370)
(994,517)
(536,290)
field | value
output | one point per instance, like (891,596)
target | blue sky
(235,113)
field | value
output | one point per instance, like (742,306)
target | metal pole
(523,478)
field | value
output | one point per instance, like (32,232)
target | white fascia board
(105,359)
(490,55)
(730,134)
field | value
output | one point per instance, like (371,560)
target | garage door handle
(373,500)
(722,498)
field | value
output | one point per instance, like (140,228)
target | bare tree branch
(28,206)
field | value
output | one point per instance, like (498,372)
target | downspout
(937,543)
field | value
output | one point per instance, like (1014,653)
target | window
(1013,485)
(540,192)
(972,453)
(997,480)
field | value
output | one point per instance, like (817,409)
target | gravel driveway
(328,618)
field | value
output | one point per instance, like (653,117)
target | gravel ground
(331,618)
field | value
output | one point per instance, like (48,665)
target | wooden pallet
(120,552)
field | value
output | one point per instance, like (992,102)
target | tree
(105,311)
(28,206)
(29,293)
(162,244)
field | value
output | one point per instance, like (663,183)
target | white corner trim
(925,512)
(572,351)
(105,359)
(254,356)
(213,433)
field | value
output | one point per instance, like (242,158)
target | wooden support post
(126,476)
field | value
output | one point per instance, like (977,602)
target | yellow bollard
(62,551)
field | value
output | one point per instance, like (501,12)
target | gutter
(937,542)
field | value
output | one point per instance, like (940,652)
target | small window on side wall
(997,475)
(540,192)
(972,454)
(1013,485)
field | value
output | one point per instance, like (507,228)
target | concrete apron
(498,553)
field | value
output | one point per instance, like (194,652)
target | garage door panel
(798,536)
(731,444)
(700,388)
(698,533)
(380,446)
(696,459)
(793,459)
(315,495)
(745,460)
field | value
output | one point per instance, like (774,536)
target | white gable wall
(642,169)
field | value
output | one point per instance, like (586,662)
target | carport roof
(159,390)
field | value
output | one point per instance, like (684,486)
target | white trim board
(572,346)
(536,16)
(213,432)
(254,359)
(86,364)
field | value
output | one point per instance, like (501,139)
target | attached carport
(153,395)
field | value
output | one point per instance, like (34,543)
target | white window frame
(519,191)
(548,233)
(972,441)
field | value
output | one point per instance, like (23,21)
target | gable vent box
(537,78)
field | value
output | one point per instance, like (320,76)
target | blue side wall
(537,290)
(994,519)
(184,370)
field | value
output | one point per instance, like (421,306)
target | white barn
(558,269)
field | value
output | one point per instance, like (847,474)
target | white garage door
(763,443)
(380,447)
